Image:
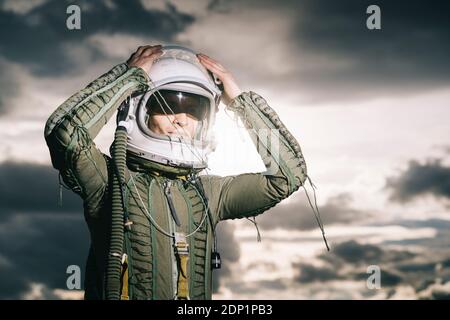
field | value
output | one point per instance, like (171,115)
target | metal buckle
(181,244)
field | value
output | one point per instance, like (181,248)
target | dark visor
(178,102)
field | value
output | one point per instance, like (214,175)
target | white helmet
(178,83)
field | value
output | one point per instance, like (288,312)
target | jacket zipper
(171,217)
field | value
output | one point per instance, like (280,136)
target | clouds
(310,273)
(8,86)
(348,262)
(317,52)
(229,251)
(38,248)
(298,53)
(407,54)
(32,188)
(408,271)
(298,215)
(39,239)
(429,178)
(44,239)
(36,45)
(42,30)
(320,48)
(436,291)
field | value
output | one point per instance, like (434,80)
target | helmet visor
(175,102)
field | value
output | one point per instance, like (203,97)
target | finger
(140,49)
(130,58)
(153,56)
(150,50)
(214,64)
(205,58)
(150,60)
(217,69)
(209,65)
(217,73)
(208,58)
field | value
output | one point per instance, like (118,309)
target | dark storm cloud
(309,273)
(298,214)
(426,272)
(388,278)
(43,239)
(26,187)
(38,37)
(419,179)
(359,254)
(229,250)
(410,51)
(349,261)
(251,287)
(419,267)
(354,252)
(39,239)
(440,294)
(219,6)
(4,95)
(8,86)
(335,57)
(38,248)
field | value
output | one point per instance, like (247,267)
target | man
(152,220)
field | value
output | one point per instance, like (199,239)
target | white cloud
(39,291)
(273,260)
(21,6)
(109,46)
(247,51)
(437,289)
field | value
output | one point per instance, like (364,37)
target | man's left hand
(231,89)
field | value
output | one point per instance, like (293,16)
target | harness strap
(182,251)
(124,287)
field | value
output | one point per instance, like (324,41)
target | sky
(370,110)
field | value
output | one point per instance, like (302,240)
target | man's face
(174,125)
(175,113)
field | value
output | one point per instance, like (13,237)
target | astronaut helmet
(179,83)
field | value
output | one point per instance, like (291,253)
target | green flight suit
(152,269)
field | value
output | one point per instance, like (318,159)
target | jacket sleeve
(70,130)
(251,194)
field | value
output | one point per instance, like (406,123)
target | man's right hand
(144,57)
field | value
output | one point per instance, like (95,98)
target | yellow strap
(156,173)
(182,251)
(183,284)
(124,291)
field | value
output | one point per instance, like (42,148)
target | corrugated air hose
(113,271)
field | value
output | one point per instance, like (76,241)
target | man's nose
(180,119)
